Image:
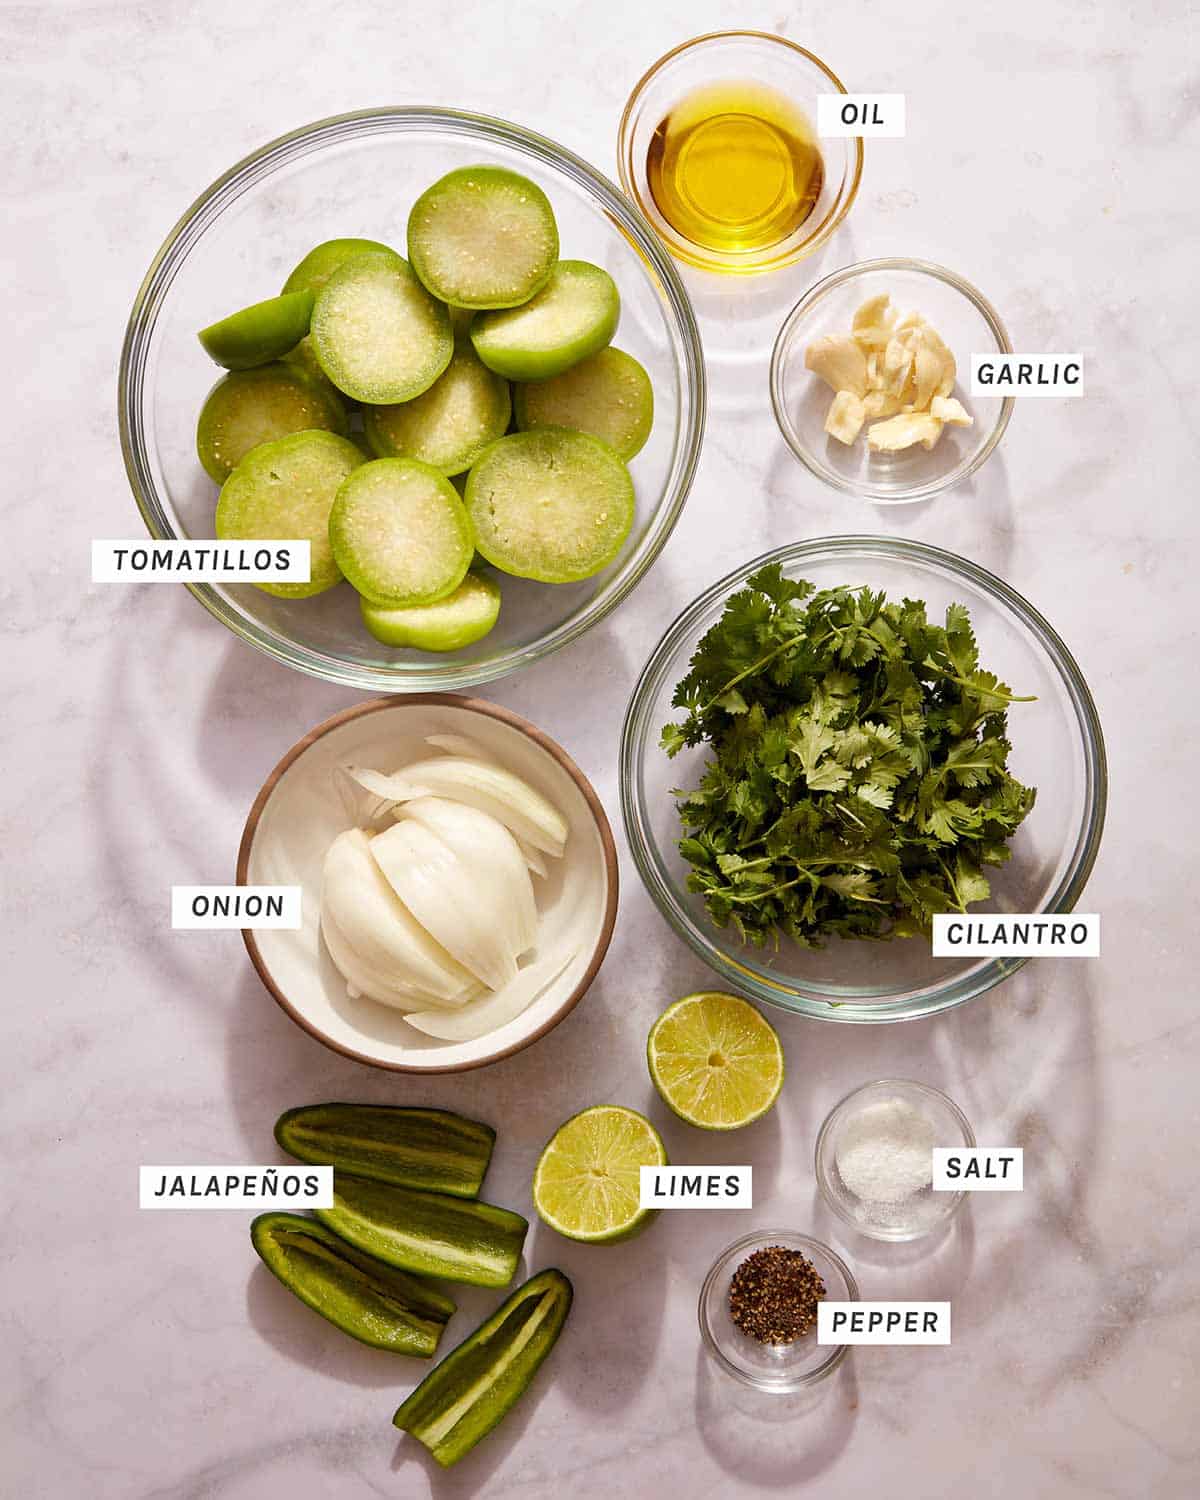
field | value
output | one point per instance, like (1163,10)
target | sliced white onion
(533,858)
(525,813)
(459,744)
(483,1016)
(369,797)
(361,980)
(388,942)
(490,853)
(442,893)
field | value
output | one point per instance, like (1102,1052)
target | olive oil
(735,167)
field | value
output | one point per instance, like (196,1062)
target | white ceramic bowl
(297,815)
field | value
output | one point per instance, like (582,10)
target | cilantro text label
(1016,935)
(841,115)
(883,1322)
(1027,375)
(235,1187)
(978,1169)
(284,561)
(235,906)
(696,1187)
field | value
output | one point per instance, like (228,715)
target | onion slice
(443,893)
(525,813)
(496,1010)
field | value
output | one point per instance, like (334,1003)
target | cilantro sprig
(858,778)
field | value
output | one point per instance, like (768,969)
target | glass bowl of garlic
(871,376)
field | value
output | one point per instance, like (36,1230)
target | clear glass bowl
(733,57)
(967,322)
(1057,746)
(924,1211)
(778,1369)
(358,175)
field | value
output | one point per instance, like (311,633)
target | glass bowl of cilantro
(842,739)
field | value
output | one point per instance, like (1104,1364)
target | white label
(978,1169)
(254,906)
(235,1187)
(860,114)
(1016,935)
(883,1322)
(1027,374)
(201,562)
(696,1187)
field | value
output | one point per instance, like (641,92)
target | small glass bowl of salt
(874,1160)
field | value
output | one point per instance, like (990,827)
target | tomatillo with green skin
(458,620)
(482,236)
(249,407)
(573,315)
(608,394)
(324,259)
(259,333)
(284,490)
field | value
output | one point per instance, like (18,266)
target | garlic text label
(696,1187)
(860,114)
(201,562)
(1027,375)
(978,1169)
(235,1187)
(235,906)
(883,1323)
(1016,935)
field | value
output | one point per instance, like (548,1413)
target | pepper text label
(235,1187)
(883,1323)
(696,1187)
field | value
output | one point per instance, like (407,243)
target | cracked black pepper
(773,1295)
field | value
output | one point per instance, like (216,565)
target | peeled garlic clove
(444,896)
(839,361)
(909,323)
(846,417)
(953,413)
(927,372)
(878,404)
(903,431)
(496,1010)
(897,365)
(873,322)
(386,939)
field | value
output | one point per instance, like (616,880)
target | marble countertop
(146,1355)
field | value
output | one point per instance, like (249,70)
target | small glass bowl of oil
(718,148)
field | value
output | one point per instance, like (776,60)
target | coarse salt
(885,1152)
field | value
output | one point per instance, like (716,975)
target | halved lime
(715,1061)
(588,1178)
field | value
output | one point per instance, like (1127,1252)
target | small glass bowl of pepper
(761,1291)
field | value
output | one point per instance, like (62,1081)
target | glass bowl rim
(764,1237)
(714,261)
(834,1008)
(292,146)
(954,1201)
(783,340)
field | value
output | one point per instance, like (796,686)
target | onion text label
(235,906)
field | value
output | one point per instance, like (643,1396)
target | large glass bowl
(1057,747)
(358,175)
